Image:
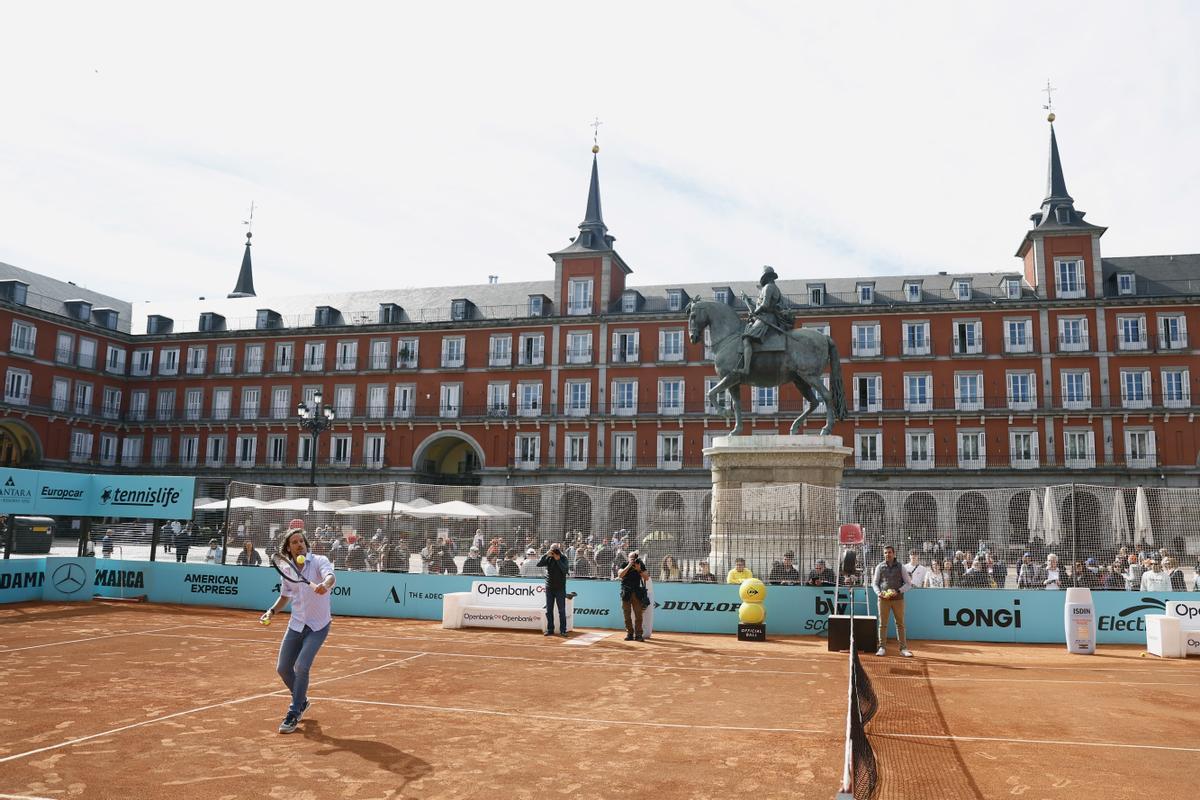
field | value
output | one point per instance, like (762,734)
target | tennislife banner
(77,494)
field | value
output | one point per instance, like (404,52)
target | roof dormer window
(14,291)
(962,289)
(866,293)
(723,294)
(1012,288)
(1126,283)
(461,310)
(912,291)
(676,299)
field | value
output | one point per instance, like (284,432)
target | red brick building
(1071,366)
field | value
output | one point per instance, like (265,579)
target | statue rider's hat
(768,275)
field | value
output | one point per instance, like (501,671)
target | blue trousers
(559,599)
(296,655)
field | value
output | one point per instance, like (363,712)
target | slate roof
(50,295)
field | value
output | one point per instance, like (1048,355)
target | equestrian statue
(766,351)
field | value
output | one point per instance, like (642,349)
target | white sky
(420,144)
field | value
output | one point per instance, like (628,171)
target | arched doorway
(575,511)
(919,521)
(870,512)
(1081,526)
(1018,518)
(972,521)
(19,445)
(449,457)
(622,512)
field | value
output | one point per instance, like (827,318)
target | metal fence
(1054,537)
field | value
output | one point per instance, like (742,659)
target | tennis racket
(287,569)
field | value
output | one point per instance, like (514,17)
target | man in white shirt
(311,619)
(915,569)
(530,568)
(1154,579)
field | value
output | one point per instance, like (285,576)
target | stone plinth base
(764,460)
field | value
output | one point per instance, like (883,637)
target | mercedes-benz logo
(68,578)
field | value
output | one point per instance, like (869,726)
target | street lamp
(316,420)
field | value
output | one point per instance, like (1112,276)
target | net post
(225,527)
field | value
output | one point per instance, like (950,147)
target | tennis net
(861,775)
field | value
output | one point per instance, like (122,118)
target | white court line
(557,718)
(88,639)
(24,797)
(948,678)
(1001,740)
(233,702)
(587,639)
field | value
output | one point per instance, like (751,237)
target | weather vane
(595,126)
(249,223)
(1049,106)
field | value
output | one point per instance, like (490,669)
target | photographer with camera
(633,590)
(555,564)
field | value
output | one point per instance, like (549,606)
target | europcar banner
(75,494)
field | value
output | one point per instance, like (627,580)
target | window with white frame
(1022,391)
(1018,335)
(451,400)
(304,451)
(1079,450)
(670,396)
(1023,449)
(139,401)
(865,341)
(868,393)
(1076,389)
(579,347)
(374,445)
(816,295)
(972,450)
(110,404)
(83,398)
(24,337)
(916,338)
(1070,281)
(276,450)
(108,449)
(866,293)
(625,347)
(189,450)
(381,355)
(535,305)
(918,392)
(868,450)
(87,354)
(81,445)
(1072,334)
(1135,388)
(721,295)
(670,345)
(1172,331)
(406,353)
(340,450)
(347,355)
(285,356)
(1131,332)
(579,398)
(708,351)
(281,402)
(528,448)
(1176,392)
(500,350)
(343,401)
(962,289)
(18,385)
(575,446)
(64,349)
(193,404)
(670,451)
(533,349)
(674,299)
(529,399)
(164,405)
(453,351)
(624,450)
(1126,283)
(912,292)
(579,296)
(377,403)
(114,362)
(968,336)
(920,450)
(709,406)
(624,398)
(1012,288)
(497,399)
(60,395)
(247,450)
(765,400)
(706,443)
(222,399)
(629,303)
(1140,449)
(131,451)
(251,402)
(253,358)
(968,391)
(314,356)
(225,354)
(404,400)
(142,363)
(197,359)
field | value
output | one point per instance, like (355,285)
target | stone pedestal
(772,494)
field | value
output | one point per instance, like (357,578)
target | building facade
(1070,367)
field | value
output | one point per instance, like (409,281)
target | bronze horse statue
(804,358)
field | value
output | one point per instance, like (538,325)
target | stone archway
(449,457)
(20,445)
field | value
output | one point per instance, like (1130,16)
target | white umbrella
(202,501)
(502,512)
(455,509)
(1120,520)
(419,502)
(1034,518)
(299,504)
(378,507)
(1141,518)
(1050,523)
(237,502)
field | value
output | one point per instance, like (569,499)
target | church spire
(1056,184)
(245,281)
(1058,208)
(593,233)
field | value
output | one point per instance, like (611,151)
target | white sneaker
(881,652)
(906,652)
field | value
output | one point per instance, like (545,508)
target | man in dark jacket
(509,567)
(785,571)
(473,565)
(555,564)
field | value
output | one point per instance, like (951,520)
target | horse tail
(835,381)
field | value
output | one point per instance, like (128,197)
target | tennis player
(311,619)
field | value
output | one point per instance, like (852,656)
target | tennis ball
(300,560)
(751,613)
(752,590)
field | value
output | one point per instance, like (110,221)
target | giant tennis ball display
(752,590)
(751,613)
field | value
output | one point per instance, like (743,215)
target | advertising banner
(21,579)
(66,494)
(68,579)
(76,494)
(18,490)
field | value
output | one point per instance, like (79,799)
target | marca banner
(74,494)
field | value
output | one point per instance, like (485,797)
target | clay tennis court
(139,701)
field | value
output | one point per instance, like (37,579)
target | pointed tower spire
(1056,184)
(245,281)
(593,233)
(593,215)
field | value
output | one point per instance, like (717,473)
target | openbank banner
(74,494)
(934,614)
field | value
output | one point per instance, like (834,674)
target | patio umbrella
(454,509)
(1120,520)
(378,507)
(201,501)
(1034,518)
(502,512)
(299,504)
(237,502)
(1050,521)
(1141,518)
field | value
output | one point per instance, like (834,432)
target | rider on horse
(766,314)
